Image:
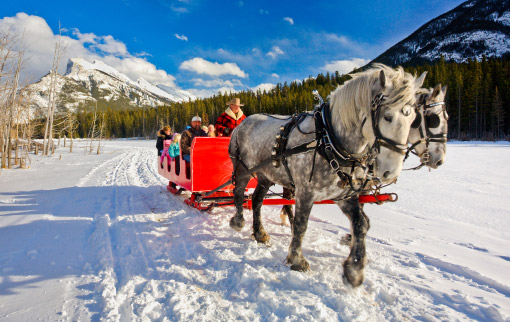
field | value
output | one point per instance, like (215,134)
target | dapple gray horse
(427,137)
(352,123)
(430,128)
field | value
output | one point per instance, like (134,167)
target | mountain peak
(473,29)
(85,81)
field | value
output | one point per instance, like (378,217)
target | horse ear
(382,79)
(419,81)
(444,89)
(436,91)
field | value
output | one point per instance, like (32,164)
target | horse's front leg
(295,258)
(260,192)
(355,263)
(237,222)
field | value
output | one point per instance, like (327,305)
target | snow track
(138,253)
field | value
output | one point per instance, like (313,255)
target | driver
(232,117)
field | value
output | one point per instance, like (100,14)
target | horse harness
(424,121)
(330,148)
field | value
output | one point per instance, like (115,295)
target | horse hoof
(236,224)
(301,267)
(352,278)
(262,237)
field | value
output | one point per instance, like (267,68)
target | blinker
(432,120)
(417,121)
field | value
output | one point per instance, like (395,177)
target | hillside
(474,29)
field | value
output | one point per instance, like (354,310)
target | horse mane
(353,99)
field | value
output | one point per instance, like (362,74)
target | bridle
(380,140)
(337,156)
(425,120)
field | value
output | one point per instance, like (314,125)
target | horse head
(430,127)
(391,113)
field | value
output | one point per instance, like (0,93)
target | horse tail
(233,147)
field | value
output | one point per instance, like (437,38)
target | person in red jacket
(232,117)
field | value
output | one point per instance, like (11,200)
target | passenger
(188,136)
(164,134)
(173,151)
(205,129)
(212,131)
(232,117)
(165,152)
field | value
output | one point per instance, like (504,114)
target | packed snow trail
(99,238)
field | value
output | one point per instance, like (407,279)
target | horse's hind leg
(287,210)
(355,263)
(300,223)
(237,222)
(260,192)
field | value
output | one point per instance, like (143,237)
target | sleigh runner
(208,178)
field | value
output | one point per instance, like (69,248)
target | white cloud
(202,66)
(344,66)
(39,44)
(179,9)
(181,37)
(275,75)
(289,20)
(240,3)
(217,82)
(264,87)
(263,12)
(110,45)
(203,93)
(345,43)
(338,39)
(275,51)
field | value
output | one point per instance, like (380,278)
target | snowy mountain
(473,29)
(87,82)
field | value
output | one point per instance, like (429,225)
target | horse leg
(287,211)
(237,222)
(260,192)
(355,263)
(347,238)
(300,223)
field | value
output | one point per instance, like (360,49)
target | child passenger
(165,152)
(173,150)
(164,134)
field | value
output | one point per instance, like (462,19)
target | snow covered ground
(90,237)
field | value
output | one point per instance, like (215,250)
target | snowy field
(90,237)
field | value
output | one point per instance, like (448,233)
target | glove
(226,131)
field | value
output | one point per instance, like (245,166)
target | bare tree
(100,133)
(93,130)
(52,93)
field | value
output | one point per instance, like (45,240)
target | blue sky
(207,46)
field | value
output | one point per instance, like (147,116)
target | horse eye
(388,118)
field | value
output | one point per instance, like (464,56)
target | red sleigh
(210,168)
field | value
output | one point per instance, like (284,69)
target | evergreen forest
(478,102)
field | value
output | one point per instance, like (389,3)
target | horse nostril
(386,174)
(438,163)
